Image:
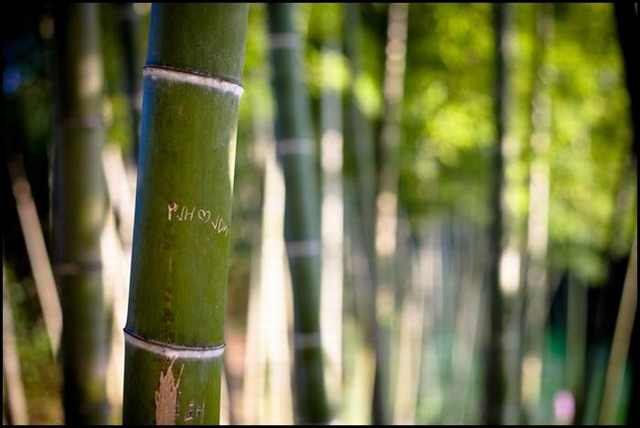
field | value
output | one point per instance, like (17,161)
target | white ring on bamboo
(194,79)
(294,146)
(285,40)
(174,351)
(308,248)
(307,340)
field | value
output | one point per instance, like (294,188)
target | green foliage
(448,123)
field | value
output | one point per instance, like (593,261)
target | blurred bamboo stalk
(410,341)
(37,252)
(268,399)
(128,25)
(117,246)
(254,356)
(273,293)
(621,340)
(535,287)
(359,211)
(224,400)
(79,212)
(387,202)
(577,304)
(493,358)
(332,223)
(114,278)
(302,229)
(120,193)
(11,361)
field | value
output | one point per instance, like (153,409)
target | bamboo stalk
(296,151)
(536,276)
(387,203)
(359,190)
(11,361)
(494,382)
(332,226)
(38,255)
(621,339)
(273,309)
(79,211)
(410,342)
(175,323)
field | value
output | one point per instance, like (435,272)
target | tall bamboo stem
(174,333)
(79,212)
(536,285)
(332,223)
(387,203)
(621,339)
(494,388)
(359,190)
(296,151)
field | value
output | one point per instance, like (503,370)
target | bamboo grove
(320,213)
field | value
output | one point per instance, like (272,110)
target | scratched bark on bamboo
(174,332)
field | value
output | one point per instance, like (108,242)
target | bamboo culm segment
(79,212)
(494,382)
(174,332)
(302,208)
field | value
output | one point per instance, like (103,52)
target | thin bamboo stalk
(332,225)
(576,341)
(387,202)
(410,343)
(536,276)
(621,339)
(273,294)
(38,254)
(175,323)
(11,361)
(359,209)
(494,382)
(296,152)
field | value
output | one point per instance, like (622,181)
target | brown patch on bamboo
(166,396)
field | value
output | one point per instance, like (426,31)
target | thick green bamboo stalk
(174,332)
(494,382)
(296,150)
(79,211)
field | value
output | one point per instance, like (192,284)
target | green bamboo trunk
(174,332)
(79,211)
(359,177)
(297,154)
(359,169)
(494,382)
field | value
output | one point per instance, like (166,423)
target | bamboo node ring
(171,351)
